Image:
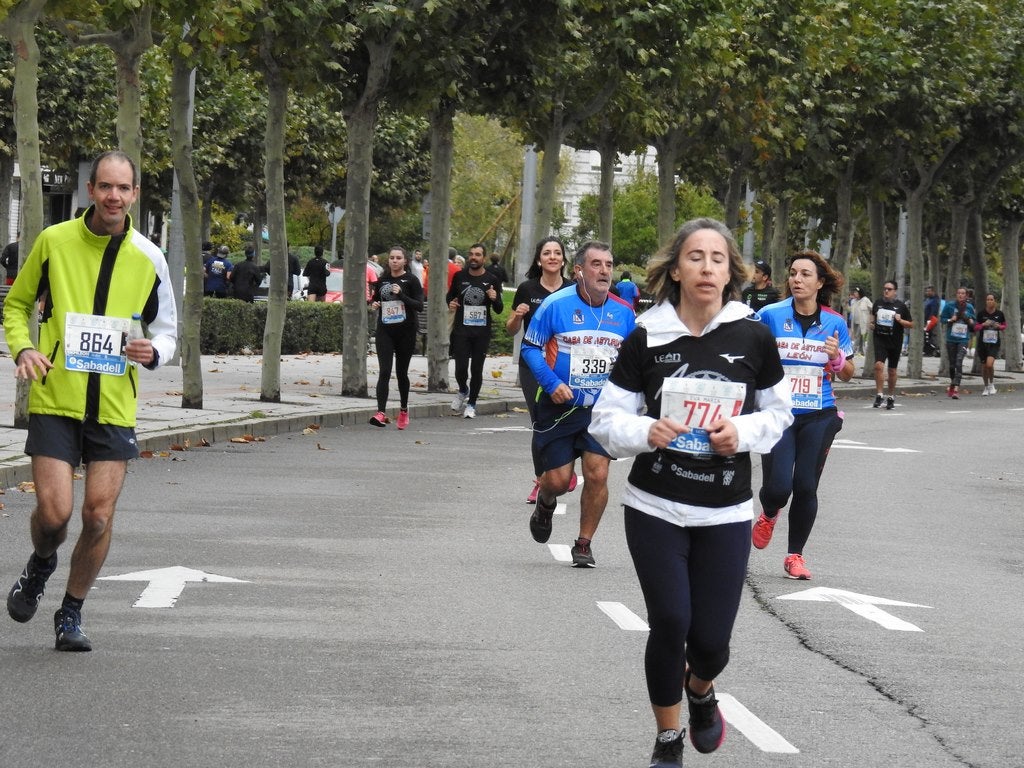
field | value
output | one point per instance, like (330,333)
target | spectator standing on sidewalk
(472,298)
(92,274)
(697,351)
(990,325)
(958,316)
(889,317)
(814,346)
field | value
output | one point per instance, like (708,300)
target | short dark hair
(114,154)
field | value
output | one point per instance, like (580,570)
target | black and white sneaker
(890,403)
(67,623)
(23,599)
(668,749)
(878,402)
(540,521)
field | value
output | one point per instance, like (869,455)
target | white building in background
(59,197)
(583,171)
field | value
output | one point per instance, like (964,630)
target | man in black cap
(760,292)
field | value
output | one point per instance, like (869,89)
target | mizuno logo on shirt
(731,358)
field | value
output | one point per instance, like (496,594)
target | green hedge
(232,327)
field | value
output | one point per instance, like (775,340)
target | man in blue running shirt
(570,346)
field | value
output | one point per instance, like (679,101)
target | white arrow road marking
(853,445)
(167,584)
(746,722)
(622,616)
(862,605)
(561,552)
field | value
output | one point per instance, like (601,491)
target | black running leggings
(469,353)
(692,580)
(399,344)
(794,467)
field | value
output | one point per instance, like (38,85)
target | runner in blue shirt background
(814,345)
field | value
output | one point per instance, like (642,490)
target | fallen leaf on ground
(319,447)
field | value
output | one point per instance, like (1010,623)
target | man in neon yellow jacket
(90,276)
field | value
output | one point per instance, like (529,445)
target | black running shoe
(582,554)
(890,403)
(668,750)
(540,521)
(878,402)
(707,727)
(67,623)
(23,599)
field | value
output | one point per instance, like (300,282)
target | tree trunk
(550,165)
(957,243)
(844,218)
(192,309)
(780,237)
(879,248)
(19,28)
(280,279)
(734,196)
(1009,250)
(361,121)
(668,147)
(915,265)
(976,255)
(606,193)
(442,152)
(6,189)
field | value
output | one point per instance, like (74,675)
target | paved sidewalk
(310,395)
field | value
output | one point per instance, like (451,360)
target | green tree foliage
(636,209)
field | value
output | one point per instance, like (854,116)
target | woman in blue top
(814,346)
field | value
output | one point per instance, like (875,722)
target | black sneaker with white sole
(878,402)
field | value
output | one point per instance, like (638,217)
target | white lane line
(560,508)
(746,722)
(561,552)
(622,616)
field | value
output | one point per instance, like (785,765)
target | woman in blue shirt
(814,346)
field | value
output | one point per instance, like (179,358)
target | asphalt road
(391,609)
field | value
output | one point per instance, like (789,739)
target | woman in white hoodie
(697,387)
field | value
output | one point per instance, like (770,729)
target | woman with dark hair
(696,388)
(544,277)
(397,298)
(814,346)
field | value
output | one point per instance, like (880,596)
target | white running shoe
(459,400)
(470,412)
(992,389)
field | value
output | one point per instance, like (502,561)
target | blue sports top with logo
(570,342)
(803,353)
